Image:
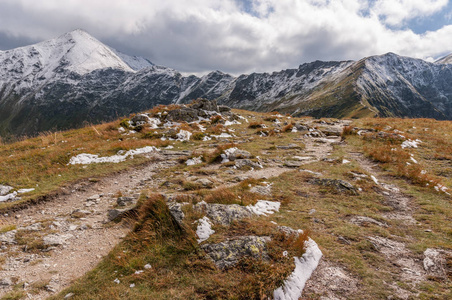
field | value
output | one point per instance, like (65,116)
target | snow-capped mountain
(445,60)
(73,79)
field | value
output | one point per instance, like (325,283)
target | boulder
(242,163)
(176,211)
(123,201)
(228,253)
(339,185)
(223,214)
(204,104)
(185,114)
(223,108)
(204,182)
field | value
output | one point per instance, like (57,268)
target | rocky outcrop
(223,214)
(227,254)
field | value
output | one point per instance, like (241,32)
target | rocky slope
(74,78)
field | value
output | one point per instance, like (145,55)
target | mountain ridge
(72,79)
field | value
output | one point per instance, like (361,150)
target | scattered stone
(228,253)
(288,147)
(8,237)
(34,227)
(363,221)
(339,185)
(242,163)
(69,295)
(93,198)
(293,163)
(123,201)
(6,282)
(436,262)
(223,214)
(204,182)
(262,190)
(79,213)
(234,153)
(56,239)
(114,214)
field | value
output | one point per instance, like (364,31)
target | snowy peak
(81,53)
(445,60)
(75,51)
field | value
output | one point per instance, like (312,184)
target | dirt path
(410,266)
(74,230)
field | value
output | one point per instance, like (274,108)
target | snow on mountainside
(135,62)
(404,86)
(63,82)
(445,60)
(75,51)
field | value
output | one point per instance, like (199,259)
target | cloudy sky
(238,36)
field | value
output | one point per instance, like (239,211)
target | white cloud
(204,35)
(395,12)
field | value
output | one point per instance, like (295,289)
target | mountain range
(74,79)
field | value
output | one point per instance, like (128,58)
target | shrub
(125,123)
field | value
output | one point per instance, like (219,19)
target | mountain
(445,60)
(73,79)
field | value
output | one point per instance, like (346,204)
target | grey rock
(204,182)
(69,295)
(80,213)
(6,282)
(360,221)
(123,201)
(5,189)
(228,253)
(293,163)
(289,146)
(34,227)
(204,104)
(263,190)
(337,184)
(56,239)
(176,210)
(435,262)
(241,163)
(8,237)
(223,108)
(332,131)
(223,214)
(184,114)
(114,214)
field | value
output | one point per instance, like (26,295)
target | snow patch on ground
(10,196)
(194,161)
(410,144)
(86,158)
(223,135)
(263,207)
(304,266)
(204,229)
